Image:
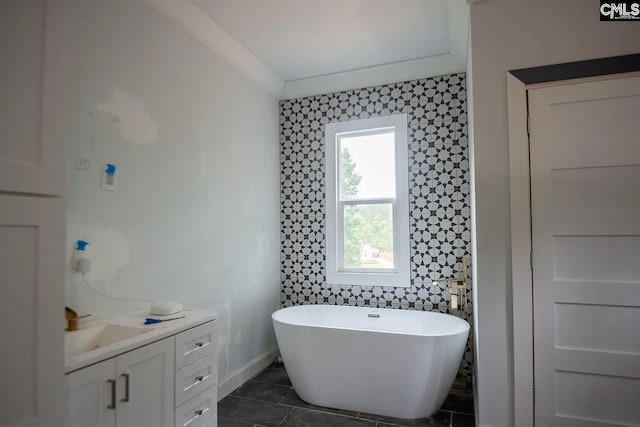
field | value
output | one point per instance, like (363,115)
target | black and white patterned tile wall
(438,192)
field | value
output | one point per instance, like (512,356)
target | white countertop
(135,319)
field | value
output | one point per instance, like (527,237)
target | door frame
(519,82)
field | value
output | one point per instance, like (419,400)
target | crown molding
(374,76)
(193,20)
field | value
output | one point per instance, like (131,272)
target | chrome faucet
(72,319)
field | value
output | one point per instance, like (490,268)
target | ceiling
(302,47)
(299,39)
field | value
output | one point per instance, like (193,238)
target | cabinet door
(32,152)
(91,399)
(32,240)
(145,386)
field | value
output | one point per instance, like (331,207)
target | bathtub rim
(464,327)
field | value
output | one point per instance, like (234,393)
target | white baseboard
(248,371)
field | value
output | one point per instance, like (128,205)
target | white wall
(472,198)
(195,217)
(506,35)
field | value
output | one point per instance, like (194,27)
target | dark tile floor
(269,400)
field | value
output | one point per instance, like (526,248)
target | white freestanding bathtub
(398,363)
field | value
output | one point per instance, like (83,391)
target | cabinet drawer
(196,377)
(194,344)
(199,410)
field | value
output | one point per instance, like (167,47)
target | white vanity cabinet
(166,383)
(89,396)
(196,377)
(146,386)
(134,389)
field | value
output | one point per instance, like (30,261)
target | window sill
(396,280)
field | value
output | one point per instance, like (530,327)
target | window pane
(368,236)
(367,166)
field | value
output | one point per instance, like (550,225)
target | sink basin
(92,338)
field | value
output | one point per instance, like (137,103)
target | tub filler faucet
(457,289)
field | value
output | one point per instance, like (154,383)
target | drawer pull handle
(198,413)
(197,381)
(199,345)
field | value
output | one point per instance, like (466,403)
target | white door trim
(521,274)
(522,284)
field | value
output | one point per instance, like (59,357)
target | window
(367,202)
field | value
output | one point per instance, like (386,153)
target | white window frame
(336,274)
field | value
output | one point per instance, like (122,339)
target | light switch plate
(83,164)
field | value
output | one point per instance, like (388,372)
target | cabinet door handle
(126,388)
(199,344)
(113,394)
